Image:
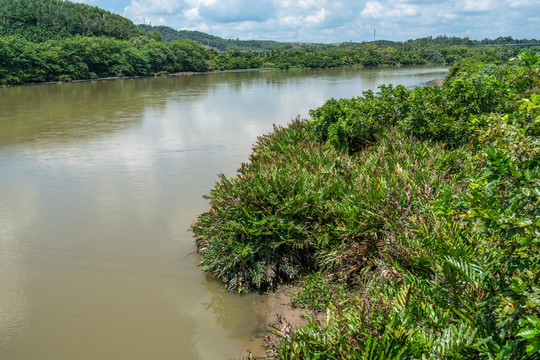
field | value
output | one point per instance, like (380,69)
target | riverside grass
(421,204)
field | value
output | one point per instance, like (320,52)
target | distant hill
(220,44)
(42,20)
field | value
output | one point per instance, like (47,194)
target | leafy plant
(413,216)
(318,291)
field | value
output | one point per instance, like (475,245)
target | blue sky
(336,20)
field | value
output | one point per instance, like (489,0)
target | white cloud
(316,18)
(310,4)
(477,5)
(448,17)
(329,21)
(290,21)
(521,3)
(191,14)
(390,10)
(373,9)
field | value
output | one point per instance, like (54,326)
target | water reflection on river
(99,183)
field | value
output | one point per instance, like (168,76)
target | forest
(53,40)
(43,20)
(223,45)
(410,216)
(77,57)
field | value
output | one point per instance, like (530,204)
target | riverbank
(111,78)
(278,309)
(279,306)
(196,73)
(438,82)
(380,199)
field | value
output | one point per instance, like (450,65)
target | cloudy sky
(336,20)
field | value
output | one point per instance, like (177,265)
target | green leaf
(528,333)
(518,285)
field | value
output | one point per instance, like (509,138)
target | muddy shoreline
(438,83)
(277,306)
(186,73)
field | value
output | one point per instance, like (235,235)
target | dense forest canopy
(79,57)
(41,20)
(51,40)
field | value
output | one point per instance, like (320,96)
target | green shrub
(266,224)
(428,113)
(458,277)
(64,78)
(299,206)
(433,251)
(318,291)
(354,123)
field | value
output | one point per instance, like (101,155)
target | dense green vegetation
(309,56)
(447,41)
(73,58)
(223,45)
(42,20)
(234,54)
(53,40)
(81,57)
(411,216)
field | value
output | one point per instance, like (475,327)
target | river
(99,183)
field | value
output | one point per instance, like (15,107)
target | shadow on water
(243,317)
(237,320)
